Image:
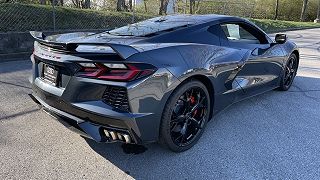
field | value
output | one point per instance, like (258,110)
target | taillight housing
(116,71)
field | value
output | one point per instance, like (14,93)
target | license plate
(50,74)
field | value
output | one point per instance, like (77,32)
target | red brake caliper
(193,101)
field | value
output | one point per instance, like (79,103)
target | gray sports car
(159,80)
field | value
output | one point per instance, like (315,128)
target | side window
(236,33)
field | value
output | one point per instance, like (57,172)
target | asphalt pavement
(275,135)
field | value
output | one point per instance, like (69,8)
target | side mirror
(281,38)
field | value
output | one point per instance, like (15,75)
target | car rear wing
(124,51)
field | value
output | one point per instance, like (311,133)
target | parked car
(159,80)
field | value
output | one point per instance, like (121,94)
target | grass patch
(276,25)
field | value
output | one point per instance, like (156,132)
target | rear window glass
(148,27)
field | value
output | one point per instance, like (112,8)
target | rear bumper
(127,128)
(80,103)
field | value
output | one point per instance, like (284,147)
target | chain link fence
(74,15)
(25,17)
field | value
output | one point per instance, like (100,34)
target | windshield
(148,27)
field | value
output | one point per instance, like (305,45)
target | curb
(290,29)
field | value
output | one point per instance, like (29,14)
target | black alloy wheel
(186,116)
(290,72)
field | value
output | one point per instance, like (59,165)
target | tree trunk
(276,10)
(171,7)
(61,3)
(76,3)
(54,2)
(145,5)
(192,6)
(304,10)
(121,5)
(130,5)
(163,7)
(318,13)
(86,4)
(197,7)
(42,2)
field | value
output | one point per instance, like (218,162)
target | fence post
(53,16)
(133,11)
(224,7)
(317,20)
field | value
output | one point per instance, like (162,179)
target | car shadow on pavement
(22,113)
(261,137)
(18,66)
(16,84)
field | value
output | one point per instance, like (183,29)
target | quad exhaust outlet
(117,136)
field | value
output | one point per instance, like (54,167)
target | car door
(260,71)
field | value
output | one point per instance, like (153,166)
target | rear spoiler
(124,51)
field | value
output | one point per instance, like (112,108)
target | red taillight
(116,72)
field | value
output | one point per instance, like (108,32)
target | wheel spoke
(180,118)
(183,98)
(184,131)
(198,105)
(291,64)
(182,138)
(196,123)
(175,128)
(184,128)
(178,137)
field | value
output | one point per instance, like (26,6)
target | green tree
(304,10)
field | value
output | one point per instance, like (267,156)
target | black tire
(290,72)
(191,124)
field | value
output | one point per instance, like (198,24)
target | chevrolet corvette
(159,80)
